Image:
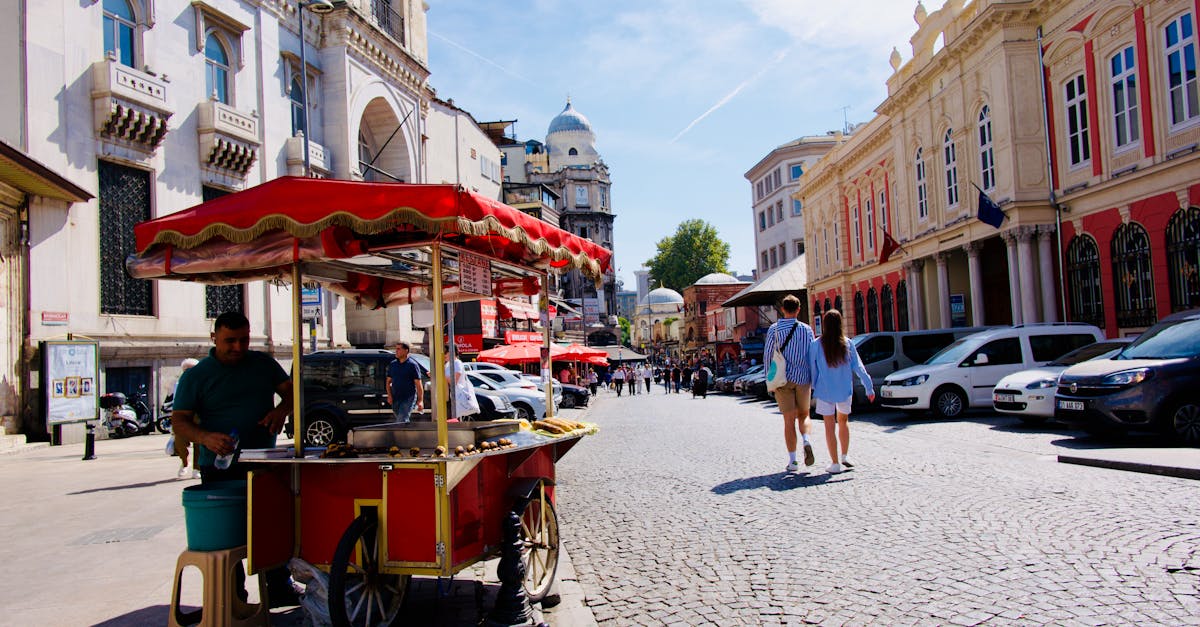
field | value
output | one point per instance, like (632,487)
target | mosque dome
(664,296)
(569,120)
(716,278)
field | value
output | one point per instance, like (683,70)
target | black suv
(344,389)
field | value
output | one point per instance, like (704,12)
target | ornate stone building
(1114,144)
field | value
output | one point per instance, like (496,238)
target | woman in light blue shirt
(833,362)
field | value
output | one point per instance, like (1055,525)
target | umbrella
(579,352)
(517,353)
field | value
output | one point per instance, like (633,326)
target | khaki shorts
(794,397)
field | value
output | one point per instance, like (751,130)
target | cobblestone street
(680,512)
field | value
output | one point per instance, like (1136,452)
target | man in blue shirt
(404,388)
(794,396)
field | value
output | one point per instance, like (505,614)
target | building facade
(778,215)
(151,107)
(700,298)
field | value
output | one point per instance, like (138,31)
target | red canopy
(579,352)
(517,353)
(257,233)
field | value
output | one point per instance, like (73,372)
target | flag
(890,245)
(989,211)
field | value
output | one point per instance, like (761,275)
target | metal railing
(388,19)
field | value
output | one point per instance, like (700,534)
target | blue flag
(989,212)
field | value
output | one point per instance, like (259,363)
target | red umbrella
(517,353)
(579,352)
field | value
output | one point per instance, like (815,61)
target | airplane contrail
(779,56)
(484,59)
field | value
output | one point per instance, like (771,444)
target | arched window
(987,158)
(296,94)
(858,313)
(885,308)
(573,152)
(902,306)
(837,304)
(872,311)
(817,316)
(216,75)
(365,156)
(1083,281)
(119,29)
(1183,258)
(1133,279)
(922,192)
(827,305)
(950,155)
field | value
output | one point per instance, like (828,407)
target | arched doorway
(382,147)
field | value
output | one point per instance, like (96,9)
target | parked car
(494,406)
(554,385)
(1029,394)
(756,386)
(885,352)
(529,403)
(505,378)
(739,384)
(963,374)
(471,366)
(565,394)
(1154,383)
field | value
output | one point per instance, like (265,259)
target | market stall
(399,499)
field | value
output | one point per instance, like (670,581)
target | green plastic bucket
(215,514)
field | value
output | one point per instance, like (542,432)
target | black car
(574,396)
(1151,384)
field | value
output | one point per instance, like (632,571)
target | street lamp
(318,7)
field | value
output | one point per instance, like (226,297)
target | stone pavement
(680,513)
(95,542)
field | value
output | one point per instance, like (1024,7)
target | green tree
(692,252)
(624,330)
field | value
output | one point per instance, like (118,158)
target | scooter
(163,424)
(124,419)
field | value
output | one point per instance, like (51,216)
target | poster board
(70,381)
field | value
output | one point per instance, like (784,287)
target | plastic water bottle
(223,461)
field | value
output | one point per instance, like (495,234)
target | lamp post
(319,7)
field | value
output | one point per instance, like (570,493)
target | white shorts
(825,408)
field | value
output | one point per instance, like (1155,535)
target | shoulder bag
(777,367)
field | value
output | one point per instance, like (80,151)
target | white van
(885,352)
(963,374)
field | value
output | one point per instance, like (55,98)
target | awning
(515,310)
(791,278)
(620,353)
(30,176)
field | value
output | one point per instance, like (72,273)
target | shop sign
(56,318)
(468,342)
(476,274)
(519,337)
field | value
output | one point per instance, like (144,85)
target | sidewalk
(95,542)
(1171,462)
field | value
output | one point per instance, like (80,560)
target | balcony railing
(388,20)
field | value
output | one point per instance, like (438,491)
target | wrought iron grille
(124,201)
(837,304)
(1183,258)
(872,311)
(858,313)
(1083,281)
(219,299)
(902,306)
(1133,279)
(885,306)
(390,21)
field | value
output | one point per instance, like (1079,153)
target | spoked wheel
(360,595)
(319,430)
(539,546)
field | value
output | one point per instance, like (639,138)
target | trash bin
(215,515)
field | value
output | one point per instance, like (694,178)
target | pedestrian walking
(833,362)
(647,373)
(618,379)
(593,380)
(700,388)
(405,390)
(179,443)
(676,375)
(633,377)
(794,340)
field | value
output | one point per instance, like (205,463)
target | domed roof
(569,120)
(663,296)
(716,278)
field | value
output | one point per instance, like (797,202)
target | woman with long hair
(833,363)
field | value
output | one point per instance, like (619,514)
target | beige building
(969,116)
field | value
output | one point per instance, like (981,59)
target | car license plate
(1072,405)
(886,393)
(1004,398)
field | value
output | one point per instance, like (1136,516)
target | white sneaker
(792,467)
(195,474)
(834,468)
(846,461)
(183,471)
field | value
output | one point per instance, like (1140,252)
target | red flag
(890,245)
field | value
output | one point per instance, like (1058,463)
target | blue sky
(685,96)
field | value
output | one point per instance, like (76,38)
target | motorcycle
(163,424)
(124,419)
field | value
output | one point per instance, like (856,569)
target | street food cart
(398,499)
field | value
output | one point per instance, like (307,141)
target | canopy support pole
(436,368)
(297,350)
(547,361)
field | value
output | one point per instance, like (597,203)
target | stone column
(1027,276)
(912,272)
(1014,294)
(943,275)
(973,271)
(1047,261)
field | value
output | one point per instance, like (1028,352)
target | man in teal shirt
(232,388)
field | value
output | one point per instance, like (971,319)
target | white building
(778,218)
(153,106)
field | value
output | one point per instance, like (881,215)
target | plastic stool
(221,605)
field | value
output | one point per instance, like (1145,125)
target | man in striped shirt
(794,396)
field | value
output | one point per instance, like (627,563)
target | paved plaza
(679,512)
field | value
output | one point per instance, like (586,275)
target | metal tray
(424,434)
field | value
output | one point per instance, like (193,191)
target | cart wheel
(359,594)
(539,546)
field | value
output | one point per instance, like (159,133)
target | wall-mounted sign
(520,337)
(69,380)
(958,310)
(475,274)
(56,318)
(468,342)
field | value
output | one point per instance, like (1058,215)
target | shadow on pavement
(779,482)
(128,486)
(153,615)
